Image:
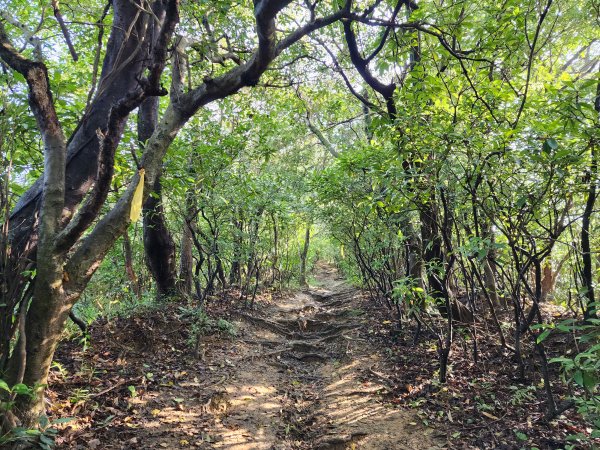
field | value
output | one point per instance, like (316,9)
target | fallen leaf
(489,416)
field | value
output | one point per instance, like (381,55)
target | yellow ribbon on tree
(136,203)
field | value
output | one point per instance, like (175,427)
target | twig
(107,390)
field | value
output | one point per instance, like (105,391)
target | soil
(301,373)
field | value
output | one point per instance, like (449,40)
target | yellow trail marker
(136,203)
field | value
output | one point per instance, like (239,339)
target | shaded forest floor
(320,369)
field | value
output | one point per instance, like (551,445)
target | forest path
(303,379)
(300,374)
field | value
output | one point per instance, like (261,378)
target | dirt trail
(299,375)
(304,379)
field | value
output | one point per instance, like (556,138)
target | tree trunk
(41,339)
(489,279)
(586,252)
(433,257)
(304,256)
(220,270)
(432,253)
(128,253)
(84,150)
(48,311)
(414,258)
(275,261)
(186,261)
(235,275)
(117,79)
(550,276)
(158,243)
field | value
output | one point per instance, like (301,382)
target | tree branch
(88,255)
(42,106)
(361,64)
(64,29)
(109,139)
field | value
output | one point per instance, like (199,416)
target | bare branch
(361,64)
(64,29)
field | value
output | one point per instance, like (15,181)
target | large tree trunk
(46,315)
(119,77)
(433,256)
(59,284)
(158,243)
(41,339)
(62,274)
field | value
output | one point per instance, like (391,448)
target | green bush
(582,371)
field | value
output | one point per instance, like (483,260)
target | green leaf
(21,389)
(4,386)
(132,391)
(46,440)
(43,421)
(560,360)
(63,420)
(521,436)
(550,145)
(589,380)
(543,335)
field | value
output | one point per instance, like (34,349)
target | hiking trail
(299,375)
